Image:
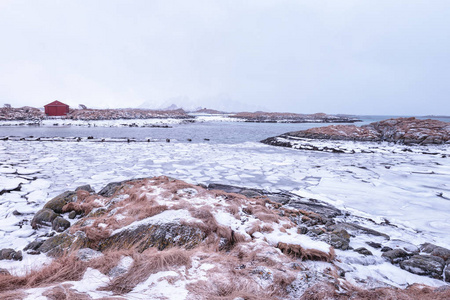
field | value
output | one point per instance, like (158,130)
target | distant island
(27,113)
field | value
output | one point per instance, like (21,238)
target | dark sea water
(207,132)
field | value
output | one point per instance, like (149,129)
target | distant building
(56,108)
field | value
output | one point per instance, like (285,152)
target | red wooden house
(56,108)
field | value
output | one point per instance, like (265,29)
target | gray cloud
(366,57)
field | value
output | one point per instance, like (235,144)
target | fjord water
(197,132)
(215,132)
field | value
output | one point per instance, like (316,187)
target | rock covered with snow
(405,131)
(22,113)
(165,238)
(115,114)
(276,117)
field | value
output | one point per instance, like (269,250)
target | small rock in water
(10,254)
(396,255)
(374,245)
(363,251)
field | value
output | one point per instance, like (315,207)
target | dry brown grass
(267,217)
(326,290)
(233,209)
(64,268)
(149,262)
(64,292)
(141,211)
(230,283)
(227,289)
(310,254)
(83,205)
(109,260)
(12,295)
(267,228)
(256,227)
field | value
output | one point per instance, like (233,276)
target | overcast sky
(349,56)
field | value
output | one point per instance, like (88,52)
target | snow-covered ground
(96,123)
(410,190)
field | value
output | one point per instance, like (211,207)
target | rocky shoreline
(34,116)
(271,245)
(393,135)
(405,131)
(267,117)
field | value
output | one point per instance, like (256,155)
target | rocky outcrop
(427,265)
(406,131)
(395,255)
(276,117)
(57,203)
(436,251)
(246,233)
(160,236)
(22,113)
(115,114)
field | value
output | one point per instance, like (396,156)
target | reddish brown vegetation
(309,254)
(64,268)
(149,262)
(413,292)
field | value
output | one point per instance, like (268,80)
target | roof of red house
(56,103)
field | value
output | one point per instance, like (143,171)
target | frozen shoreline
(415,184)
(407,190)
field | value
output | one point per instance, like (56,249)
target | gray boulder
(60,224)
(434,250)
(87,254)
(424,265)
(57,203)
(34,245)
(161,236)
(395,255)
(86,188)
(339,239)
(111,188)
(10,254)
(43,217)
(363,251)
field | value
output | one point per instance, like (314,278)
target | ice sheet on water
(9,184)
(408,189)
